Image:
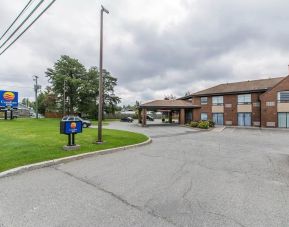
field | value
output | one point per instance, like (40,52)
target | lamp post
(100,104)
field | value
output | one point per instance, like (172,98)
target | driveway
(236,177)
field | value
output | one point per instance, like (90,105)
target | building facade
(258,103)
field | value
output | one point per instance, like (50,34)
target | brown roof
(168,104)
(239,87)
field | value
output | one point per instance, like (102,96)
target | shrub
(203,124)
(163,120)
(211,124)
(194,124)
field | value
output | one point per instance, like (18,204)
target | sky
(154,48)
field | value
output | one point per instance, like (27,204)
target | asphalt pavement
(186,177)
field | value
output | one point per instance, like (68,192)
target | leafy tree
(81,87)
(72,72)
(89,93)
(170,97)
(26,102)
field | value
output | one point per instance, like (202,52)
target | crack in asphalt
(119,198)
(220,215)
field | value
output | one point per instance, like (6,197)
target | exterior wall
(217,109)
(256,109)
(247,108)
(270,113)
(230,109)
(282,107)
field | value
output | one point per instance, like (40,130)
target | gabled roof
(168,104)
(241,87)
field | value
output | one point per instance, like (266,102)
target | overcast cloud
(154,48)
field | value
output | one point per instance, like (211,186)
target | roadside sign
(8,99)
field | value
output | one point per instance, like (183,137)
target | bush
(194,124)
(203,124)
(211,124)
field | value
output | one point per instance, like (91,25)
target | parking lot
(186,177)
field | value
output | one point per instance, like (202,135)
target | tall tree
(72,72)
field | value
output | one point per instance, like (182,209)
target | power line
(51,3)
(19,15)
(23,22)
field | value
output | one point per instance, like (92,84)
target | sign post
(70,128)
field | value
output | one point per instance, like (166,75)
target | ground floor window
(204,116)
(218,118)
(283,120)
(244,119)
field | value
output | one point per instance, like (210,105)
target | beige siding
(244,108)
(283,107)
(217,109)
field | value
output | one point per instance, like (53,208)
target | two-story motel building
(259,103)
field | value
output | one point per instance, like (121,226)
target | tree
(26,102)
(81,87)
(89,93)
(72,72)
(170,97)
(46,101)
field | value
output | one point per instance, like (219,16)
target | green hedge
(202,124)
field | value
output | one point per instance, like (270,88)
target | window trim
(206,114)
(206,103)
(278,97)
(217,104)
(244,103)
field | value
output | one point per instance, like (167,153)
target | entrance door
(244,119)
(283,120)
(218,118)
(189,116)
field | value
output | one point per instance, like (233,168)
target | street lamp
(100,104)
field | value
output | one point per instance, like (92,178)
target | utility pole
(36,87)
(100,104)
(64,84)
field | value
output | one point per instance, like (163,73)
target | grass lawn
(27,141)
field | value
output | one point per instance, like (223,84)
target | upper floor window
(218,100)
(204,100)
(283,96)
(244,99)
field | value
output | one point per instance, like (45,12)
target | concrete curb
(53,162)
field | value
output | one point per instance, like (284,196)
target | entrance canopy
(180,106)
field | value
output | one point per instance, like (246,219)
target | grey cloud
(215,42)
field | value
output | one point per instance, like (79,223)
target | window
(204,116)
(270,103)
(244,119)
(283,120)
(283,96)
(244,99)
(218,118)
(204,100)
(218,100)
(256,104)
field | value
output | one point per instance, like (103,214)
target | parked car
(33,115)
(126,119)
(85,123)
(150,118)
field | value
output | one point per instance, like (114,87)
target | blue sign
(72,127)
(8,99)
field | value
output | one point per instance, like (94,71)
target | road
(236,177)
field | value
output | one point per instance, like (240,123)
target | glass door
(283,120)
(218,118)
(244,119)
